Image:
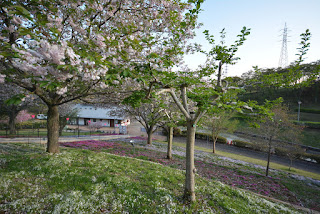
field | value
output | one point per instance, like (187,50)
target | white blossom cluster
(82,40)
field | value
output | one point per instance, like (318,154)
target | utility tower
(283,61)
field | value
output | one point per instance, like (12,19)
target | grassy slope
(82,181)
(255,161)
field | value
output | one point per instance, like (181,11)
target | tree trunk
(62,124)
(12,122)
(290,164)
(269,154)
(53,130)
(150,133)
(189,193)
(170,137)
(214,138)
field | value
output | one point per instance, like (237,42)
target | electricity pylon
(283,61)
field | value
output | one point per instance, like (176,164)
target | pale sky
(266,18)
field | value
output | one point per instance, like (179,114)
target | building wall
(105,122)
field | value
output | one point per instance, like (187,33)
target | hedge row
(278,151)
(312,156)
(26,124)
(205,136)
(242,144)
(307,110)
(309,124)
(299,155)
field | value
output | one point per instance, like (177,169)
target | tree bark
(290,164)
(62,124)
(214,145)
(189,193)
(53,129)
(269,154)
(214,139)
(12,122)
(170,137)
(149,133)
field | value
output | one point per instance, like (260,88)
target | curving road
(299,164)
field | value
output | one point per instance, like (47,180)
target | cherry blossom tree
(23,116)
(95,126)
(63,50)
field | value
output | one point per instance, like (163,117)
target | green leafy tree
(218,122)
(194,95)
(277,129)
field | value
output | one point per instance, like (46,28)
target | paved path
(299,164)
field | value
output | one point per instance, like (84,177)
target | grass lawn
(103,177)
(311,137)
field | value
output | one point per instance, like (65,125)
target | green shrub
(3,126)
(298,155)
(242,144)
(280,151)
(32,124)
(312,156)
(177,131)
(205,136)
(222,140)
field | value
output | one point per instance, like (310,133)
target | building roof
(93,112)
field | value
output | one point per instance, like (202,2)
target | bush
(280,151)
(312,156)
(177,131)
(205,136)
(32,124)
(222,140)
(242,144)
(3,125)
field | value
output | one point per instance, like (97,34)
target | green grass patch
(84,181)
